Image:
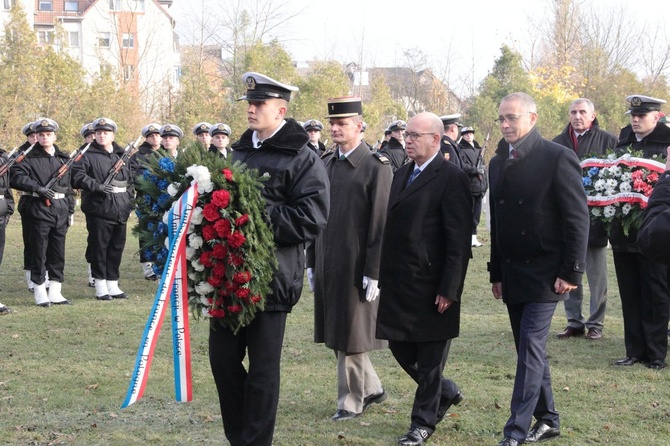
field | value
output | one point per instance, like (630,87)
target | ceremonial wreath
(618,188)
(230,246)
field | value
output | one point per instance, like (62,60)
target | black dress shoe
(570,332)
(105,297)
(541,431)
(508,441)
(119,296)
(656,364)
(342,415)
(44,304)
(446,403)
(62,302)
(628,360)
(374,399)
(415,436)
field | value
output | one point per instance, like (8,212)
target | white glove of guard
(371,286)
(310,278)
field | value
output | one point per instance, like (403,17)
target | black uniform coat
(425,252)
(539,218)
(92,170)
(472,164)
(297,193)
(395,152)
(34,172)
(449,147)
(653,238)
(348,249)
(6,204)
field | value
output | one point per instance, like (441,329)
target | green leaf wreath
(230,246)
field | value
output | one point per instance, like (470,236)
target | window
(73,39)
(138,6)
(7,4)
(104,40)
(45,36)
(128,72)
(46,5)
(115,5)
(72,6)
(105,69)
(128,40)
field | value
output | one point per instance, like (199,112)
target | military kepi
(261,88)
(643,104)
(150,129)
(171,130)
(344,107)
(105,124)
(451,119)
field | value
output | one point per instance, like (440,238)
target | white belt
(57,196)
(118,190)
(2,197)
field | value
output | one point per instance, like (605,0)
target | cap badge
(251,83)
(151,128)
(313,123)
(203,126)
(168,128)
(636,101)
(44,123)
(102,122)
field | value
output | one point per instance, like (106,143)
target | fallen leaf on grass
(92,386)
(566,389)
(364,423)
(496,405)
(113,415)
(390,410)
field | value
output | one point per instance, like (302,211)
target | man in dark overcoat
(346,258)
(653,238)
(539,219)
(425,254)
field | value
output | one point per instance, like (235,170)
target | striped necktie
(415,174)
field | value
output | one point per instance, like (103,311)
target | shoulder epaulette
(382,158)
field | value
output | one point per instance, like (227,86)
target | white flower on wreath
(625,187)
(166,217)
(205,312)
(202,177)
(195,241)
(609,192)
(611,156)
(204,288)
(609,211)
(626,208)
(190,253)
(599,185)
(615,170)
(193,276)
(173,189)
(612,183)
(167,242)
(196,216)
(197,265)
(596,212)
(204,301)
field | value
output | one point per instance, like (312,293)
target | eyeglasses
(414,135)
(510,118)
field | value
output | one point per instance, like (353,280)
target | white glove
(371,286)
(310,278)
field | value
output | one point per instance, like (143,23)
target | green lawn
(64,372)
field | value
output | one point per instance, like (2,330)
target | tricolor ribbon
(173,283)
(623,197)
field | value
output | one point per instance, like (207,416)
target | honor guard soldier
(394,149)
(47,207)
(107,201)
(220,133)
(6,209)
(201,132)
(151,144)
(31,138)
(449,146)
(314,129)
(296,195)
(88,133)
(171,136)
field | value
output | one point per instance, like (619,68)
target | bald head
(423,136)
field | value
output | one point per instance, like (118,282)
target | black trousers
(645,304)
(3,227)
(424,363)
(248,398)
(106,240)
(25,233)
(476,212)
(47,250)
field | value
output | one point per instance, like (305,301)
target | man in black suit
(539,222)
(425,254)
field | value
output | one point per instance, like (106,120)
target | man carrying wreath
(297,195)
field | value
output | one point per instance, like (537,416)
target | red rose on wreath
(228,174)
(241,220)
(236,240)
(215,281)
(219,251)
(230,287)
(235,260)
(218,312)
(211,212)
(243,293)
(219,269)
(208,232)
(255,299)
(243,277)
(223,228)
(221,198)
(234,308)
(206,258)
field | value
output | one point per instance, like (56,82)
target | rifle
(16,159)
(62,170)
(129,151)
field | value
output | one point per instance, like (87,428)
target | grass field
(64,372)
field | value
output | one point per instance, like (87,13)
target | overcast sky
(378,32)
